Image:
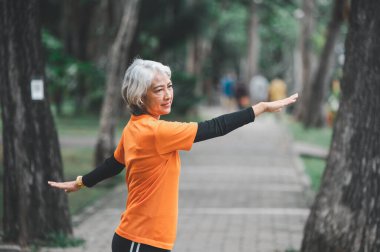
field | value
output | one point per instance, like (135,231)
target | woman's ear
(142,101)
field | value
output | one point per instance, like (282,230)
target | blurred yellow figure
(277,90)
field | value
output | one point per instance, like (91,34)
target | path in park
(242,192)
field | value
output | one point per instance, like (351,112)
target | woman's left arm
(224,124)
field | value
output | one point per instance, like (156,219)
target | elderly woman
(148,148)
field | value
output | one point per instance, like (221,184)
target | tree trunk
(103,29)
(32,210)
(75,26)
(197,52)
(307,29)
(314,115)
(297,68)
(118,61)
(346,213)
(253,49)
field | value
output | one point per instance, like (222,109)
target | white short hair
(137,79)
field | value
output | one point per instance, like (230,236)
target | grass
(82,125)
(317,136)
(314,167)
(77,126)
(79,161)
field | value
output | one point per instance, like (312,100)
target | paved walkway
(243,192)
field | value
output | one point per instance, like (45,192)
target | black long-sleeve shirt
(218,126)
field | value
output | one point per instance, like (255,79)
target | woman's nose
(167,94)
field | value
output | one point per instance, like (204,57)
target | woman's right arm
(109,168)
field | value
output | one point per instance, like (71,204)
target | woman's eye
(170,86)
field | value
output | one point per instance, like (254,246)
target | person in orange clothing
(148,149)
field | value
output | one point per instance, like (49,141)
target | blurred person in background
(148,151)
(258,89)
(227,85)
(241,95)
(277,91)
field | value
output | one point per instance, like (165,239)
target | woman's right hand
(69,186)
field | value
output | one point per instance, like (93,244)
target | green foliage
(167,24)
(230,38)
(278,34)
(184,93)
(71,81)
(322,18)
(163,33)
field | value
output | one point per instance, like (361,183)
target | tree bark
(253,49)
(314,115)
(32,210)
(346,213)
(118,61)
(307,29)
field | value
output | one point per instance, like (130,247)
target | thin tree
(346,213)
(307,30)
(253,45)
(314,115)
(118,61)
(32,210)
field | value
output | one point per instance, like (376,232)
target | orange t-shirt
(149,149)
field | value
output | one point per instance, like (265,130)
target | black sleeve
(224,124)
(109,168)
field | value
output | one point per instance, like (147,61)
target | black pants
(120,244)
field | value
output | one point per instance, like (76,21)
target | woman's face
(159,97)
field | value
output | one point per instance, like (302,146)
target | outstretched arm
(224,124)
(109,168)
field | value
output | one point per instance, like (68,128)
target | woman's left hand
(274,106)
(277,106)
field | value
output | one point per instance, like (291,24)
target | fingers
(294,96)
(291,99)
(56,184)
(67,186)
